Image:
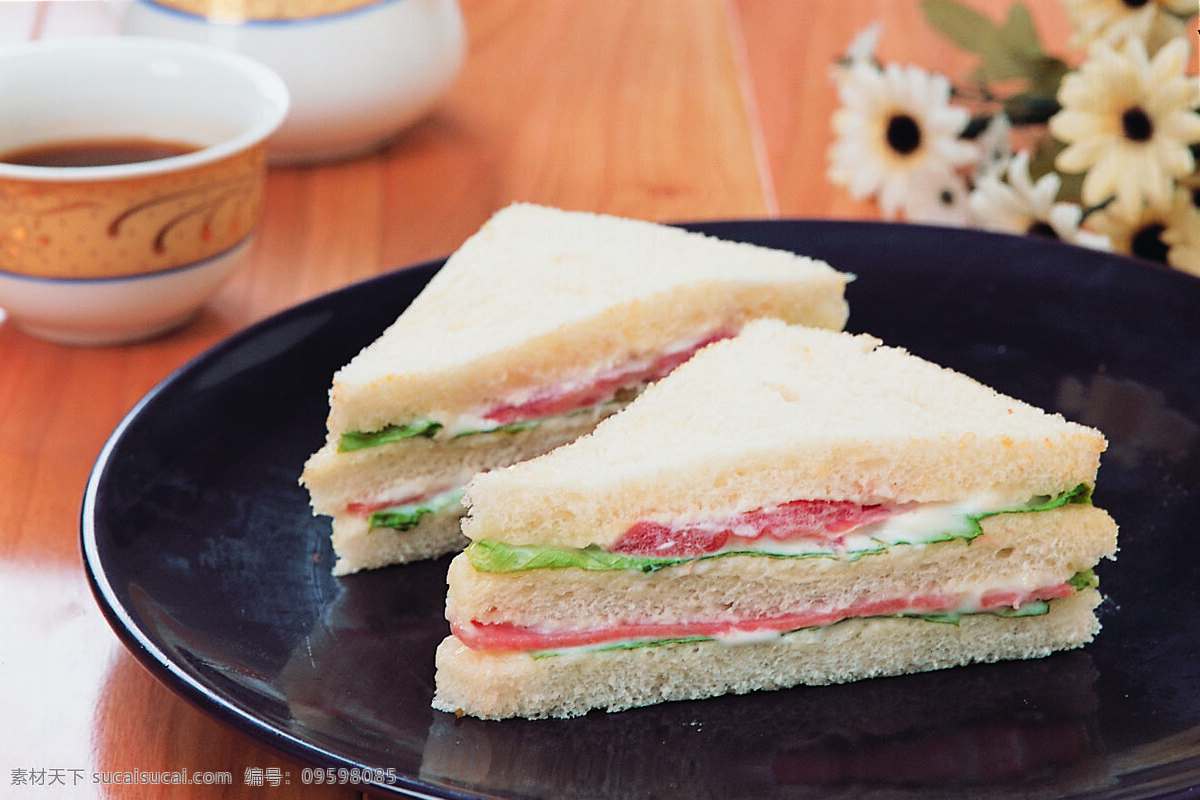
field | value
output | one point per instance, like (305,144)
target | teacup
(115,252)
(359,72)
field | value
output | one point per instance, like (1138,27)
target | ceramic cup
(359,71)
(119,252)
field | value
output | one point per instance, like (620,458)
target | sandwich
(791,506)
(541,324)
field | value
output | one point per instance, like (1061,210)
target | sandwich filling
(615,385)
(798,529)
(943,607)
(403,515)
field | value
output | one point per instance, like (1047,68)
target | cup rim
(268,83)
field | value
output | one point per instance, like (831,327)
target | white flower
(1154,22)
(1182,233)
(938,199)
(861,50)
(1129,121)
(1167,234)
(1023,207)
(895,126)
(995,146)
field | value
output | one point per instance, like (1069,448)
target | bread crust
(510,684)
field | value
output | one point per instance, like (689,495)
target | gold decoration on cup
(132,225)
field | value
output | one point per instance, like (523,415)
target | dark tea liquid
(95,152)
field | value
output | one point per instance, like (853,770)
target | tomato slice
(826,521)
(506,636)
(575,395)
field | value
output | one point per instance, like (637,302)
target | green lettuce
(1084,580)
(1034,608)
(427,428)
(406,517)
(360,440)
(488,555)
(512,427)
(424,427)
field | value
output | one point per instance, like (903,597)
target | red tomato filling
(825,520)
(563,398)
(366,509)
(506,636)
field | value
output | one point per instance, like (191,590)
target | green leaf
(359,440)
(1084,580)
(487,555)
(1006,51)
(511,427)
(1033,608)
(1031,107)
(633,644)
(406,517)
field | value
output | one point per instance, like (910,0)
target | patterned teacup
(131,179)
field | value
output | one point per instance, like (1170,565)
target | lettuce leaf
(406,517)
(511,427)
(489,555)
(426,427)
(360,440)
(1084,580)
(1034,608)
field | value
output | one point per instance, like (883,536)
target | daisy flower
(995,146)
(1128,121)
(1167,234)
(1154,22)
(1182,234)
(1023,207)
(938,199)
(861,50)
(895,126)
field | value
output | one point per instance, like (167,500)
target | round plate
(204,555)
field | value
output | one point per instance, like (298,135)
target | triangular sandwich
(791,506)
(542,323)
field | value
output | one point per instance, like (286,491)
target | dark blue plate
(205,558)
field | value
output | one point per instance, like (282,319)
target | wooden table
(660,109)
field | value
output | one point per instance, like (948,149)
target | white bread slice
(541,295)
(1019,551)
(498,685)
(359,546)
(781,413)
